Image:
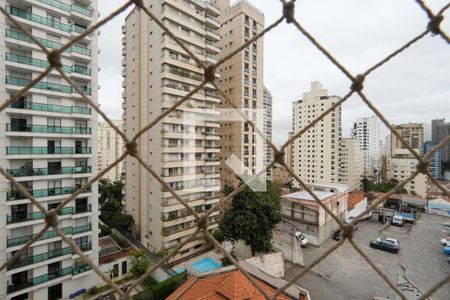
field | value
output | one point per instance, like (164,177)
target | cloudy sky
(413,87)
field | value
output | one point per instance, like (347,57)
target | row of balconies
(17,195)
(73,7)
(19,150)
(54,87)
(25,104)
(22,59)
(20,36)
(31,216)
(48,129)
(12,242)
(73,270)
(26,172)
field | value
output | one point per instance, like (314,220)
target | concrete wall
(359,208)
(284,241)
(271,263)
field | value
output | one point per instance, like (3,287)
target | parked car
(336,235)
(386,245)
(445,242)
(398,220)
(302,239)
(446,250)
(388,239)
(349,220)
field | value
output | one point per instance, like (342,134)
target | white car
(445,242)
(302,239)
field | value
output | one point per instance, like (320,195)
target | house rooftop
(304,195)
(354,198)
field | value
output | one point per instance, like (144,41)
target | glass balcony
(11,242)
(39,85)
(23,217)
(56,4)
(44,64)
(51,107)
(18,35)
(47,277)
(23,171)
(81,9)
(17,12)
(22,262)
(78,29)
(14,150)
(17,195)
(47,129)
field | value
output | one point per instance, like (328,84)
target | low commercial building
(356,204)
(301,213)
(280,175)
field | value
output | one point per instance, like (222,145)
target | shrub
(92,290)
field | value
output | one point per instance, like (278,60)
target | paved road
(346,275)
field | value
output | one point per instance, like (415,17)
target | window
(246,79)
(254,48)
(247,20)
(246,91)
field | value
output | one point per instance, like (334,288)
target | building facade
(412,133)
(435,160)
(315,154)
(440,130)
(352,164)
(110,148)
(267,129)
(242,80)
(367,131)
(49,139)
(182,147)
(400,166)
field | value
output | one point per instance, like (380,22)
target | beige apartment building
(412,133)
(401,165)
(352,163)
(315,154)
(242,81)
(182,147)
(288,152)
(48,141)
(110,148)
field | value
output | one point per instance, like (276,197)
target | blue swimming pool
(204,265)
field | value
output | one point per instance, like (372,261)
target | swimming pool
(204,265)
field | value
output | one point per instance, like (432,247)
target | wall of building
(271,263)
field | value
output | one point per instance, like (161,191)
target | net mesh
(287,9)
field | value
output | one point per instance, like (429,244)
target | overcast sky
(413,87)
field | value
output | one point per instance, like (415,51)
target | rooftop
(232,285)
(304,195)
(354,198)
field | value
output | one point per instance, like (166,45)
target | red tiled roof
(230,285)
(354,198)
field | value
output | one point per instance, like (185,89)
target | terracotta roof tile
(230,285)
(354,198)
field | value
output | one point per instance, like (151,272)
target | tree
(112,210)
(139,262)
(252,217)
(382,187)
(110,190)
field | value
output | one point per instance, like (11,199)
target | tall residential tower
(182,147)
(242,80)
(267,128)
(367,132)
(48,140)
(110,148)
(316,153)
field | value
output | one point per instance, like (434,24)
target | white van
(302,239)
(397,220)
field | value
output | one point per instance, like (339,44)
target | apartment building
(182,147)
(440,130)
(401,165)
(110,148)
(435,160)
(315,154)
(242,81)
(412,133)
(367,131)
(48,138)
(288,151)
(351,164)
(267,129)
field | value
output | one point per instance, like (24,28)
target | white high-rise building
(351,164)
(267,128)
(315,155)
(49,144)
(367,131)
(182,147)
(110,148)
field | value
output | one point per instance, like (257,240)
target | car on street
(393,241)
(398,220)
(446,250)
(385,245)
(302,239)
(445,241)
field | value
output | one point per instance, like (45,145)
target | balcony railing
(48,129)
(11,242)
(17,12)
(81,9)
(69,8)
(18,35)
(17,195)
(23,217)
(23,171)
(13,150)
(39,85)
(51,107)
(22,262)
(47,277)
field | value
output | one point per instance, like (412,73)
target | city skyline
(285,90)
